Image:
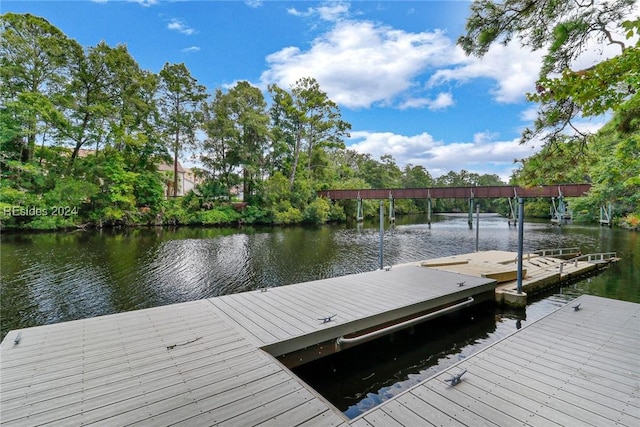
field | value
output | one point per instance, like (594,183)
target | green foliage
(173,212)
(336,212)
(565,29)
(256,215)
(103,126)
(50,223)
(318,211)
(71,192)
(305,120)
(148,190)
(224,215)
(180,98)
(284,213)
(611,161)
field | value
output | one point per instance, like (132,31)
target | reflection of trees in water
(52,277)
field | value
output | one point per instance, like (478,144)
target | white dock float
(572,367)
(202,362)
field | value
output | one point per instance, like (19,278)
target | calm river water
(54,277)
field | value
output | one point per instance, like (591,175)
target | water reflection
(53,277)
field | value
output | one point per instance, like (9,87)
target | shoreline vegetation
(239,215)
(89,139)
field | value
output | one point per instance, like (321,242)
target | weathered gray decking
(201,363)
(288,318)
(122,370)
(569,368)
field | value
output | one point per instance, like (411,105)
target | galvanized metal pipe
(477,225)
(381,254)
(520,242)
(342,342)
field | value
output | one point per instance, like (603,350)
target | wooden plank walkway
(569,368)
(202,362)
(287,318)
(539,272)
(178,364)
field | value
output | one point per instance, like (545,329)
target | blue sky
(392,66)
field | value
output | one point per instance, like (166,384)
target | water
(54,277)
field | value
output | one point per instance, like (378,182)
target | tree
(222,139)
(416,177)
(108,101)
(306,119)
(565,29)
(34,65)
(248,109)
(179,99)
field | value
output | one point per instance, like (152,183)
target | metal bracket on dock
(456,378)
(342,342)
(328,318)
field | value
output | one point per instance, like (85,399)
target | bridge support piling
(360,210)
(429,211)
(606,214)
(392,209)
(512,212)
(470,220)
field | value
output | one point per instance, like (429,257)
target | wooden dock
(540,270)
(572,367)
(215,361)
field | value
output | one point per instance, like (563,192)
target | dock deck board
(181,363)
(568,368)
(354,302)
(203,362)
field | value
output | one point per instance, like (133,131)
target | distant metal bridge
(559,212)
(480,192)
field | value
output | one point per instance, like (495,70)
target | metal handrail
(599,256)
(558,251)
(342,342)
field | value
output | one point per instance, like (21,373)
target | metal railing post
(477,225)
(520,241)
(381,254)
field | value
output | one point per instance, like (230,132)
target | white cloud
(332,11)
(443,100)
(145,3)
(359,63)
(484,155)
(530,114)
(191,49)
(180,26)
(254,3)
(514,69)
